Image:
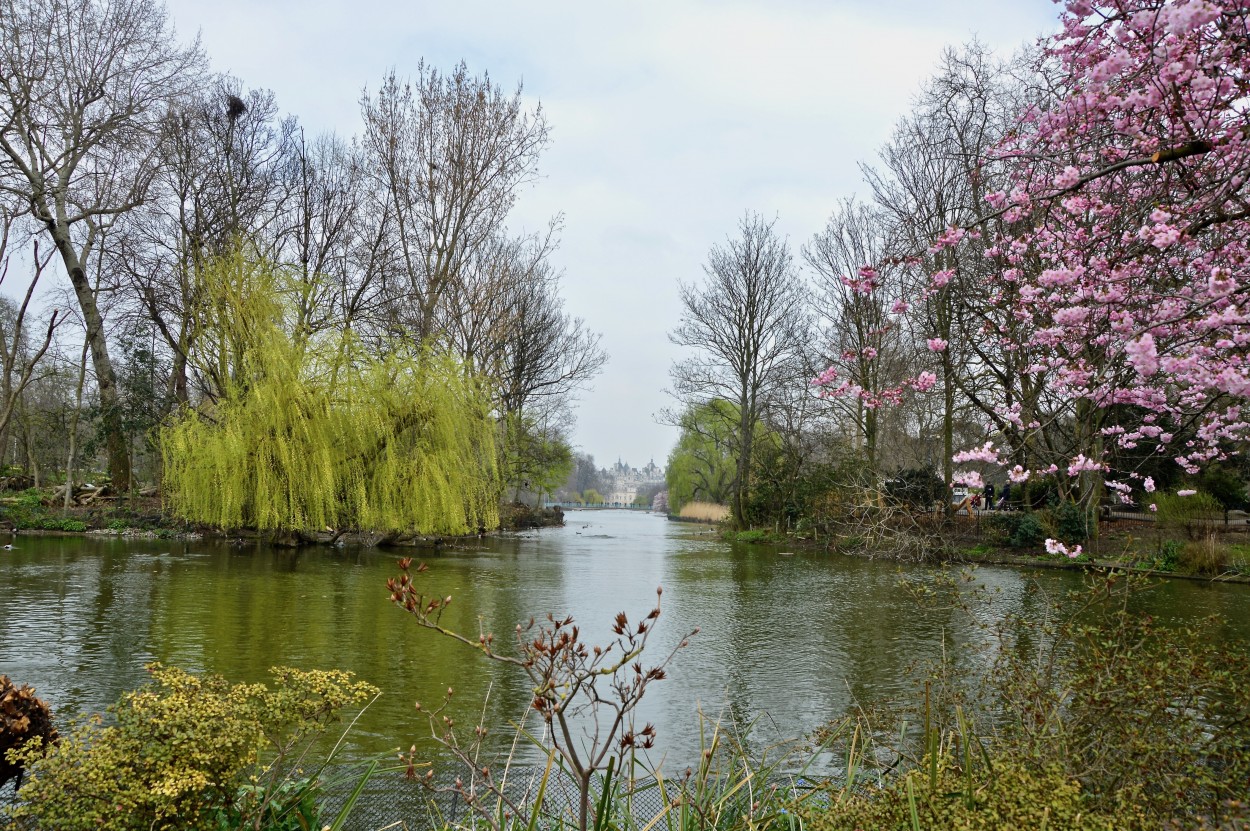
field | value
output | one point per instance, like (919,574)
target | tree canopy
(317,432)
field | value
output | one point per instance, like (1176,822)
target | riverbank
(39,512)
(1217,553)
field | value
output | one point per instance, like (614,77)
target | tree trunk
(583,808)
(870,438)
(106,379)
(70,458)
(948,427)
(32,464)
(178,379)
(746,429)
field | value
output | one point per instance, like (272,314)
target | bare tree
(337,248)
(83,93)
(548,354)
(446,155)
(506,320)
(748,324)
(934,175)
(19,353)
(864,341)
(222,154)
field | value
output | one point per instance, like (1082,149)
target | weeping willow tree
(300,432)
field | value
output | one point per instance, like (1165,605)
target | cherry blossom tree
(1118,244)
(1131,259)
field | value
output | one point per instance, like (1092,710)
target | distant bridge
(582,506)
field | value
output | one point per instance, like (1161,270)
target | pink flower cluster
(1056,547)
(1121,244)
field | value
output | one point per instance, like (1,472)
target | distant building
(624,481)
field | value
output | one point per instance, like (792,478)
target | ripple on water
(800,637)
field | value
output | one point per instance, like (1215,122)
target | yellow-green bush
(181,750)
(1006,798)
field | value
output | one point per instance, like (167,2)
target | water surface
(795,638)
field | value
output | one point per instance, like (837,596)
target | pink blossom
(1018,475)
(1118,289)
(1186,492)
(1056,547)
(1221,283)
(1058,277)
(1143,355)
(1067,178)
(1081,464)
(865,283)
(1149,485)
(827,377)
(937,345)
(985,453)
(1071,316)
(924,382)
(1161,236)
(971,478)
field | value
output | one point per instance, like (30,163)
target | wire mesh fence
(390,802)
(395,803)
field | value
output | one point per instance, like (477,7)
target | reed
(704,511)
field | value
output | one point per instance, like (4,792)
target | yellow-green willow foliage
(314,432)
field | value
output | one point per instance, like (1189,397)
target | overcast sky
(669,121)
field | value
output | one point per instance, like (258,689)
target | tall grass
(735,786)
(704,511)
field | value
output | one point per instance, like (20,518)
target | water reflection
(797,637)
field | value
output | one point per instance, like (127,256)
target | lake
(794,639)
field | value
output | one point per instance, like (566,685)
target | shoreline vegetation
(1212,552)
(38,511)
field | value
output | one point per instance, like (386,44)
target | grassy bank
(41,511)
(1208,549)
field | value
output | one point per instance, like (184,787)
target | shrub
(1036,494)
(1197,515)
(1019,530)
(1206,556)
(1225,485)
(918,487)
(63,524)
(26,510)
(755,535)
(1153,721)
(24,718)
(1169,556)
(181,751)
(1010,795)
(569,679)
(1071,522)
